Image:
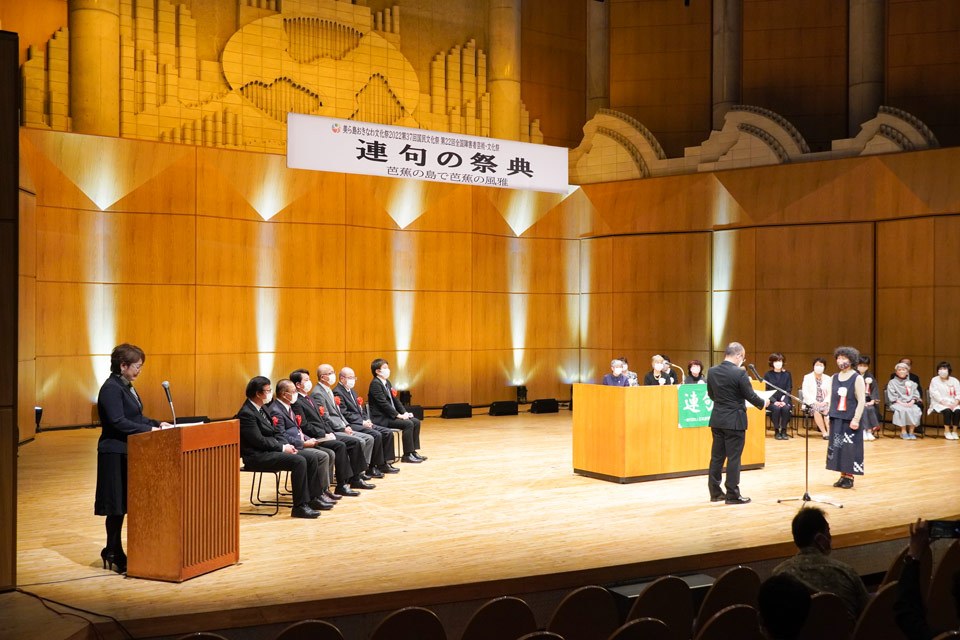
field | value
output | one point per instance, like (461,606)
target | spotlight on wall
(521,394)
(404,397)
(37,414)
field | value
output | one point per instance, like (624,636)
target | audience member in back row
(784,604)
(815,393)
(386,410)
(909,609)
(264,447)
(780,405)
(903,398)
(814,567)
(945,399)
(616,379)
(870,419)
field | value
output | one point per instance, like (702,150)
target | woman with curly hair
(847,400)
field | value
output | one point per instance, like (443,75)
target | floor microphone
(753,370)
(166,387)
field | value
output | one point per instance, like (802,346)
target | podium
(183,487)
(632,434)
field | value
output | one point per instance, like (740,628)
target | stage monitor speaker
(416,410)
(545,405)
(504,408)
(457,410)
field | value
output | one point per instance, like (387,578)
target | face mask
(901,374)
(307,385)
(385,373)
(658,367)
(862,369)
(944,373)
(777,365)
(843,366)
(818,368)
(694,371)
(331,379)
(349,384)
(269,398)
(617,371)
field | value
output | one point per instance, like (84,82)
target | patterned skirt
(845,450)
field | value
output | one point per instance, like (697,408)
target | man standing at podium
(728,387)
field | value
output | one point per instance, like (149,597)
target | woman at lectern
(847,400)
(121,415)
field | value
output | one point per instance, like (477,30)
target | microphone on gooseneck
(166,387)
(753,370)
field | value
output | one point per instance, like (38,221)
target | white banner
(345,146)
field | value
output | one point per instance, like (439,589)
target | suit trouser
(360,447)
(341,459)
(379,442)
(411,432)
(727,444)
(303,471)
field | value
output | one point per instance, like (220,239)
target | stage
(497,509)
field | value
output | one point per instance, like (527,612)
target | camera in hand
(944,529)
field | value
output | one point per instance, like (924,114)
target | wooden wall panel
(253,320)
(809,319)
(904,256)
(596,319)
(905,324)
(734,319)
(394,203)
(74,319)
(679,262)
(595,363)
(407,260)
(735,259)
(662,321)
(432,377)
(223,381)
(105,246)
(547,373)
(426,320)
(521,320)
(834,256)
(525,265)
(269,254)
(596,265)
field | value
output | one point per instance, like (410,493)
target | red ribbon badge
(299,419)
(953,392)
(394,392)
(323,411)
(359,401)
(337,400)
(275,420)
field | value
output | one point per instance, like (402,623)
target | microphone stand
(806,497)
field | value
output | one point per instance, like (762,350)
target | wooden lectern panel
(632,434)
(182,498)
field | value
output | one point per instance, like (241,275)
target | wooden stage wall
(466,290)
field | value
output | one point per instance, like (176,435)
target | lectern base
(658,476)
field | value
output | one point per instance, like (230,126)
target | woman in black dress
(847,401)
(121,415)
(780,405)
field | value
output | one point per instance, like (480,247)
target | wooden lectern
(631,434)
(183,487)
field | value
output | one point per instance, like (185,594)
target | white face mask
(384,373)
(269,398)
(944,373)
(307,385)
(818,368)
(777,365)
(862,369)
(617,371)
(694,371)
(349,384)
(331,379)
(658,367)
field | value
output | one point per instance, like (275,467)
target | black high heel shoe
(110,560)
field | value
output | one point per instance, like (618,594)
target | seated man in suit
(348,457)
(386,410)
(282,415)
(264,447)
(351,406)
(323,397)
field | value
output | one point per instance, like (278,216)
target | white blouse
(941,390)
(808,389)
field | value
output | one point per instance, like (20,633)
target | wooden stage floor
(496,509)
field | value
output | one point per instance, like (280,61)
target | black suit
(295,436)
(385,407)
(121,415)
(347,456)
(352,412)
(261,447)
(728,386)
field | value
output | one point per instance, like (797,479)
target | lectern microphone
(166,387)
(753,370)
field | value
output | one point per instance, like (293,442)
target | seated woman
(903,398)
(780,406)
(815,393)
(945,399)
(870,420)
(632,378)
(657,375)
(617,378)
(695,373)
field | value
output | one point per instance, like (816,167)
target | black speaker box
(504,408)
(416,410)
(545,405)
(457,410)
